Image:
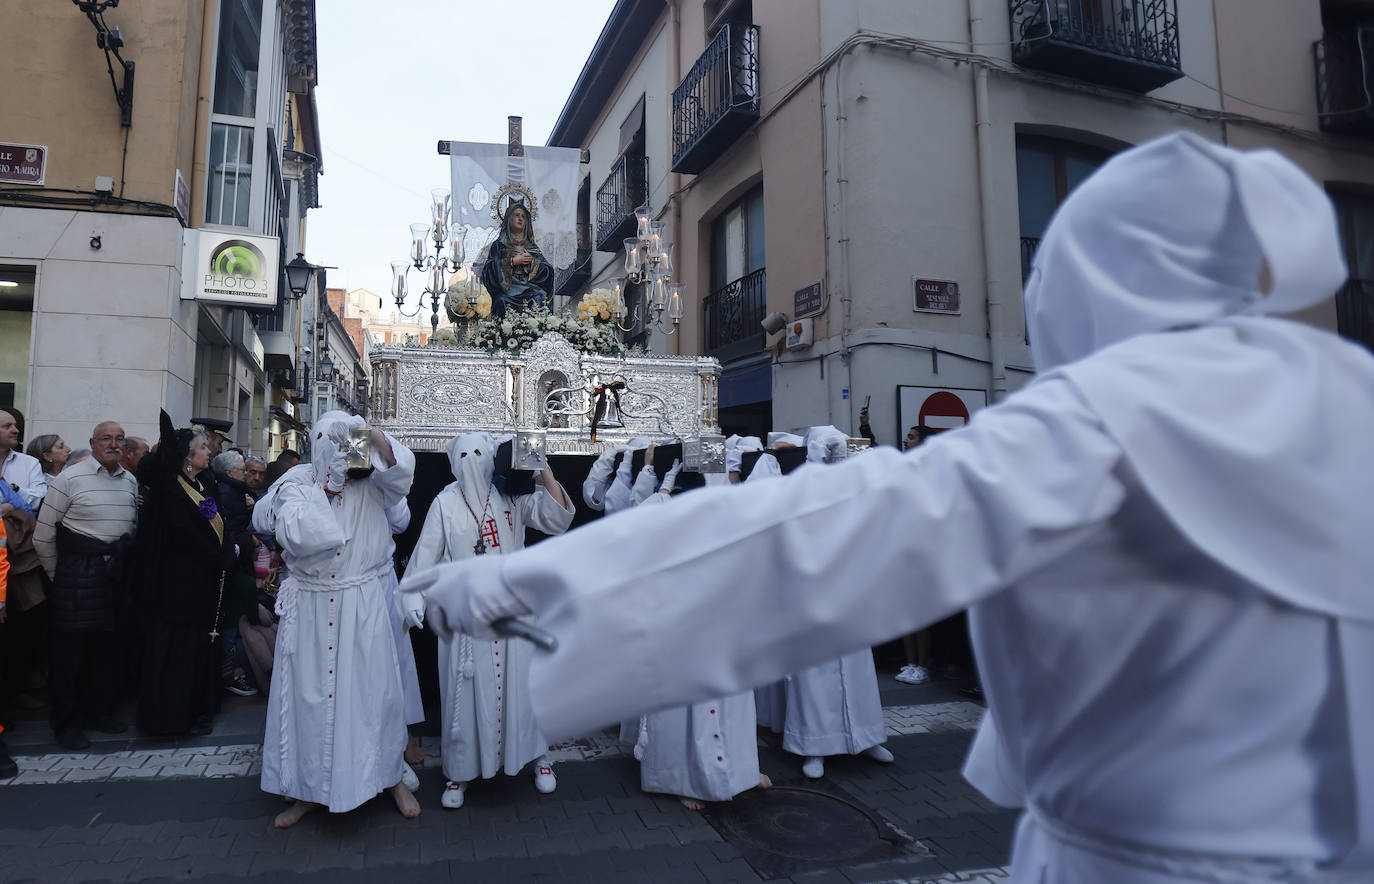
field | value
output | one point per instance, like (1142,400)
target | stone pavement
(133,811)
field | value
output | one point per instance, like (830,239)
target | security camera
(773,322)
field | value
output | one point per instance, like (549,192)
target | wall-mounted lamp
(774,322)
(298,273)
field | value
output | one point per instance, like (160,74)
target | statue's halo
(514,193)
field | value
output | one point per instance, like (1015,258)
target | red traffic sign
(943,411)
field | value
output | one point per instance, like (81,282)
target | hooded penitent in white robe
(832,708)
(707,750)
(488,725)
(770,700)
(335,730)
(1164,538)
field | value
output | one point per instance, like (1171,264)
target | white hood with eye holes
(1146,294)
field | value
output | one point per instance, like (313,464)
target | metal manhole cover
(795,827)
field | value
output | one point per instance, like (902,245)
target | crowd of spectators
(130,570)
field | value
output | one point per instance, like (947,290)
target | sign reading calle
(936,295)
(23,163)
(230,268)
(808,301)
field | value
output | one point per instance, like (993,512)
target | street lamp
(446,259)
(298,273)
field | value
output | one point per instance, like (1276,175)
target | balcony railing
(1128,44)
(718,99)
(1028,246)
(733,313)
(1355,312)
(1345,81)
(570,278)
(624,190)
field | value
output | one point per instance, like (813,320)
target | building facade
(878,173)
(216,136)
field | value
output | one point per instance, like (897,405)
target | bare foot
(765,782)
(405,802)
(692,803)
(414,754)
(292,815)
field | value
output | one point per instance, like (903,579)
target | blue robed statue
(516,273)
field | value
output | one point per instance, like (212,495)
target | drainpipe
(199,171)
(676,180)
(847,301)
(983,129)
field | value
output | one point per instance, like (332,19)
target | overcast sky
(397,77)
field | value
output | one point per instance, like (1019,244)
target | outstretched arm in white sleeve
(773,577)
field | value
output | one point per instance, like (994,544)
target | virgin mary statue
(516,272)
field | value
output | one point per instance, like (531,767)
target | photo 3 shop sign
(230,268)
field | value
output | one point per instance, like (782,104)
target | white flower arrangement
(520,329)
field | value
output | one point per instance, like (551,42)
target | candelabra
(447,258)
(649,260)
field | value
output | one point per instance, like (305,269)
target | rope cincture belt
(294,583)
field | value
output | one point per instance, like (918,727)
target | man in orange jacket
(7,766)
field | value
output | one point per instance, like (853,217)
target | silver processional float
(558,382)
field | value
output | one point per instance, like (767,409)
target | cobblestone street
(134,811)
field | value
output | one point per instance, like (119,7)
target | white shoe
(913,675)
(412,782)
(814,767)
(453,795)
(879,753)
(544,780)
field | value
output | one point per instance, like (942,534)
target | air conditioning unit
(799,334)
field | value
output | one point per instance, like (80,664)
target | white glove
(411,607)
(329,464)
(462,597)
(599,478)
(670,478)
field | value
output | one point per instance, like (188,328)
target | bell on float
(610,417)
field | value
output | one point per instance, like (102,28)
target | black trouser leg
(64,678)
(104,665)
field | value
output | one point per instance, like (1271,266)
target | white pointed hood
(471,457)
(328,434)
(1250,432)
(1176,233)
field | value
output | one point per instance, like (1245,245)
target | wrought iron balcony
(718,99)
(733,313)
(1128,44)
(579,271)
(1345,81)
(1028,246)
(1355,312)
(624,190)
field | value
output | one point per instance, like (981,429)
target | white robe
(707,750)
(833,708)
(335,731)
(398,516)
(488,724)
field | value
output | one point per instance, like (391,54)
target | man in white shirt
(84,530)
(22,472)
